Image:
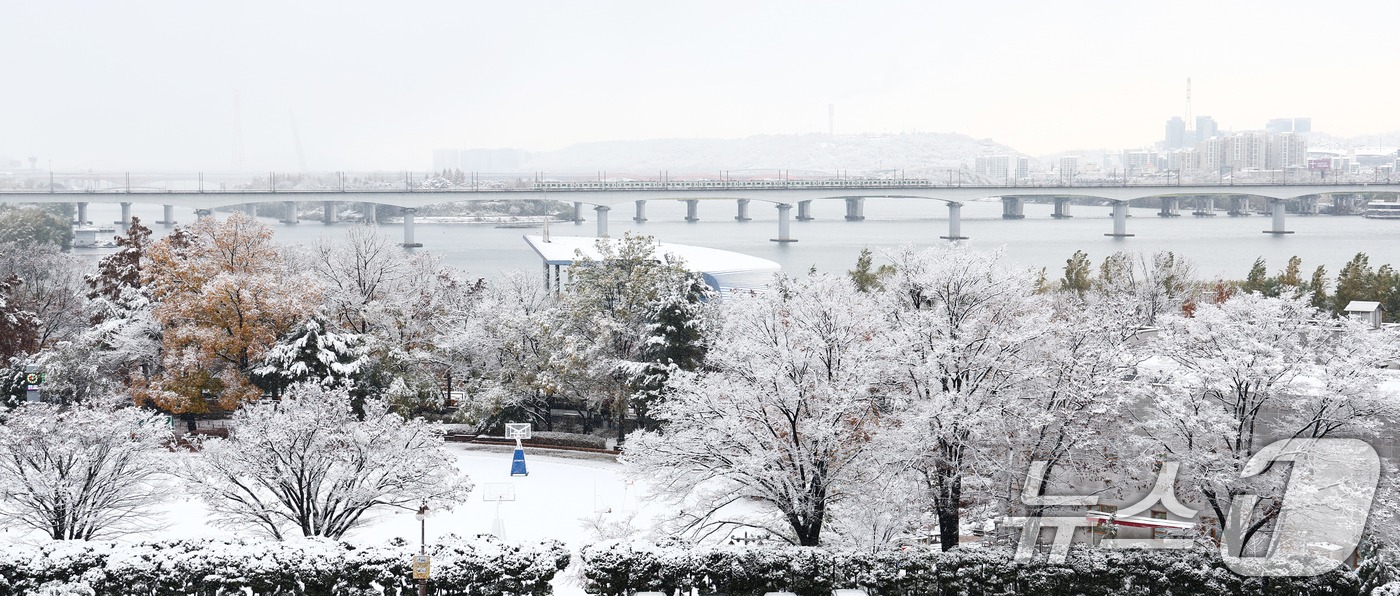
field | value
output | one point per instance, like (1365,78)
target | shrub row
(619,568)
(480,566)
(568,440)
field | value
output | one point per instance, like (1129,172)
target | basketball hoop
(518,431)
(499,492)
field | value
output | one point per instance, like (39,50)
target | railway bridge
(603,196)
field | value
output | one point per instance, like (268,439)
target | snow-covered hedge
(480,566)
(617,568)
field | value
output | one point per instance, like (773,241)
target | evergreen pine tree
(311,352)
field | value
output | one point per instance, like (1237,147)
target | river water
(1220,246)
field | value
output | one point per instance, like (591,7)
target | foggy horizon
(150,86)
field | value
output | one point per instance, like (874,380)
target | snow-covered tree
(33,226)
(311,353)
(783,416)
(225,295)
(51,287)
(1159,284)
(406,306)
(364,268)
(631,317)
(307,464)
(972,333)
(19,327)
(1238,375)
(79,472)
(122,269)
(508,339)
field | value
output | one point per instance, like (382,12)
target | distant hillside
(1322,140)
(809,152)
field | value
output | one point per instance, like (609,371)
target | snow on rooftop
(723,270)
(1362,306)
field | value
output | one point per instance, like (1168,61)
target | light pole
(422,516)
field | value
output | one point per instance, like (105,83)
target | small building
(1370,312)
(724,271)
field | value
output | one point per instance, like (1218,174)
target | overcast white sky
(149,85)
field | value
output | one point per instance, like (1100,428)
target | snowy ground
(562,490)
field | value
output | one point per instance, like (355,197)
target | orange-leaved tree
(225,293)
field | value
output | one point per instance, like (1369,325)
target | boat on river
(1382,210)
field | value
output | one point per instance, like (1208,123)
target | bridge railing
(543,183)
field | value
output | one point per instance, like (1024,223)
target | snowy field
(563,491)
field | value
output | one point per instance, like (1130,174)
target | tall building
(999,167)
(1288,150)
(979,165)
(1211,154)
(1185,161)
(1302,125)
(1205,128)
(1023,168)
(1176,134)
(1247,151)
(1139,161)
(1279,125)
(1069,166)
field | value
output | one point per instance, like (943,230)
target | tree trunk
(947,499)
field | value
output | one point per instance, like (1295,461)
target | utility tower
(237,132)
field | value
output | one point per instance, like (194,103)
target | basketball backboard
(498,491)
(517,430)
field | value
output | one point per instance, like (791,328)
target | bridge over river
(603,196)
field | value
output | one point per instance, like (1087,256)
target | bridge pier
(1013,208)
(1239,206)
(126,215)
(692,210)
(1061,208)
(743,214)
(641,212)
(1307,205)
(578,213)
(783,231)
(1343,204)
(203,213)
(331,215)
(82,214)
(602,211)
(1120,220)
(855,209)
(1205,206)
(1171,207)
(367,210)
(408,241)
(290,214)
(169,212)
(1277,207)
(804,211)
(250,209)
(954,222)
